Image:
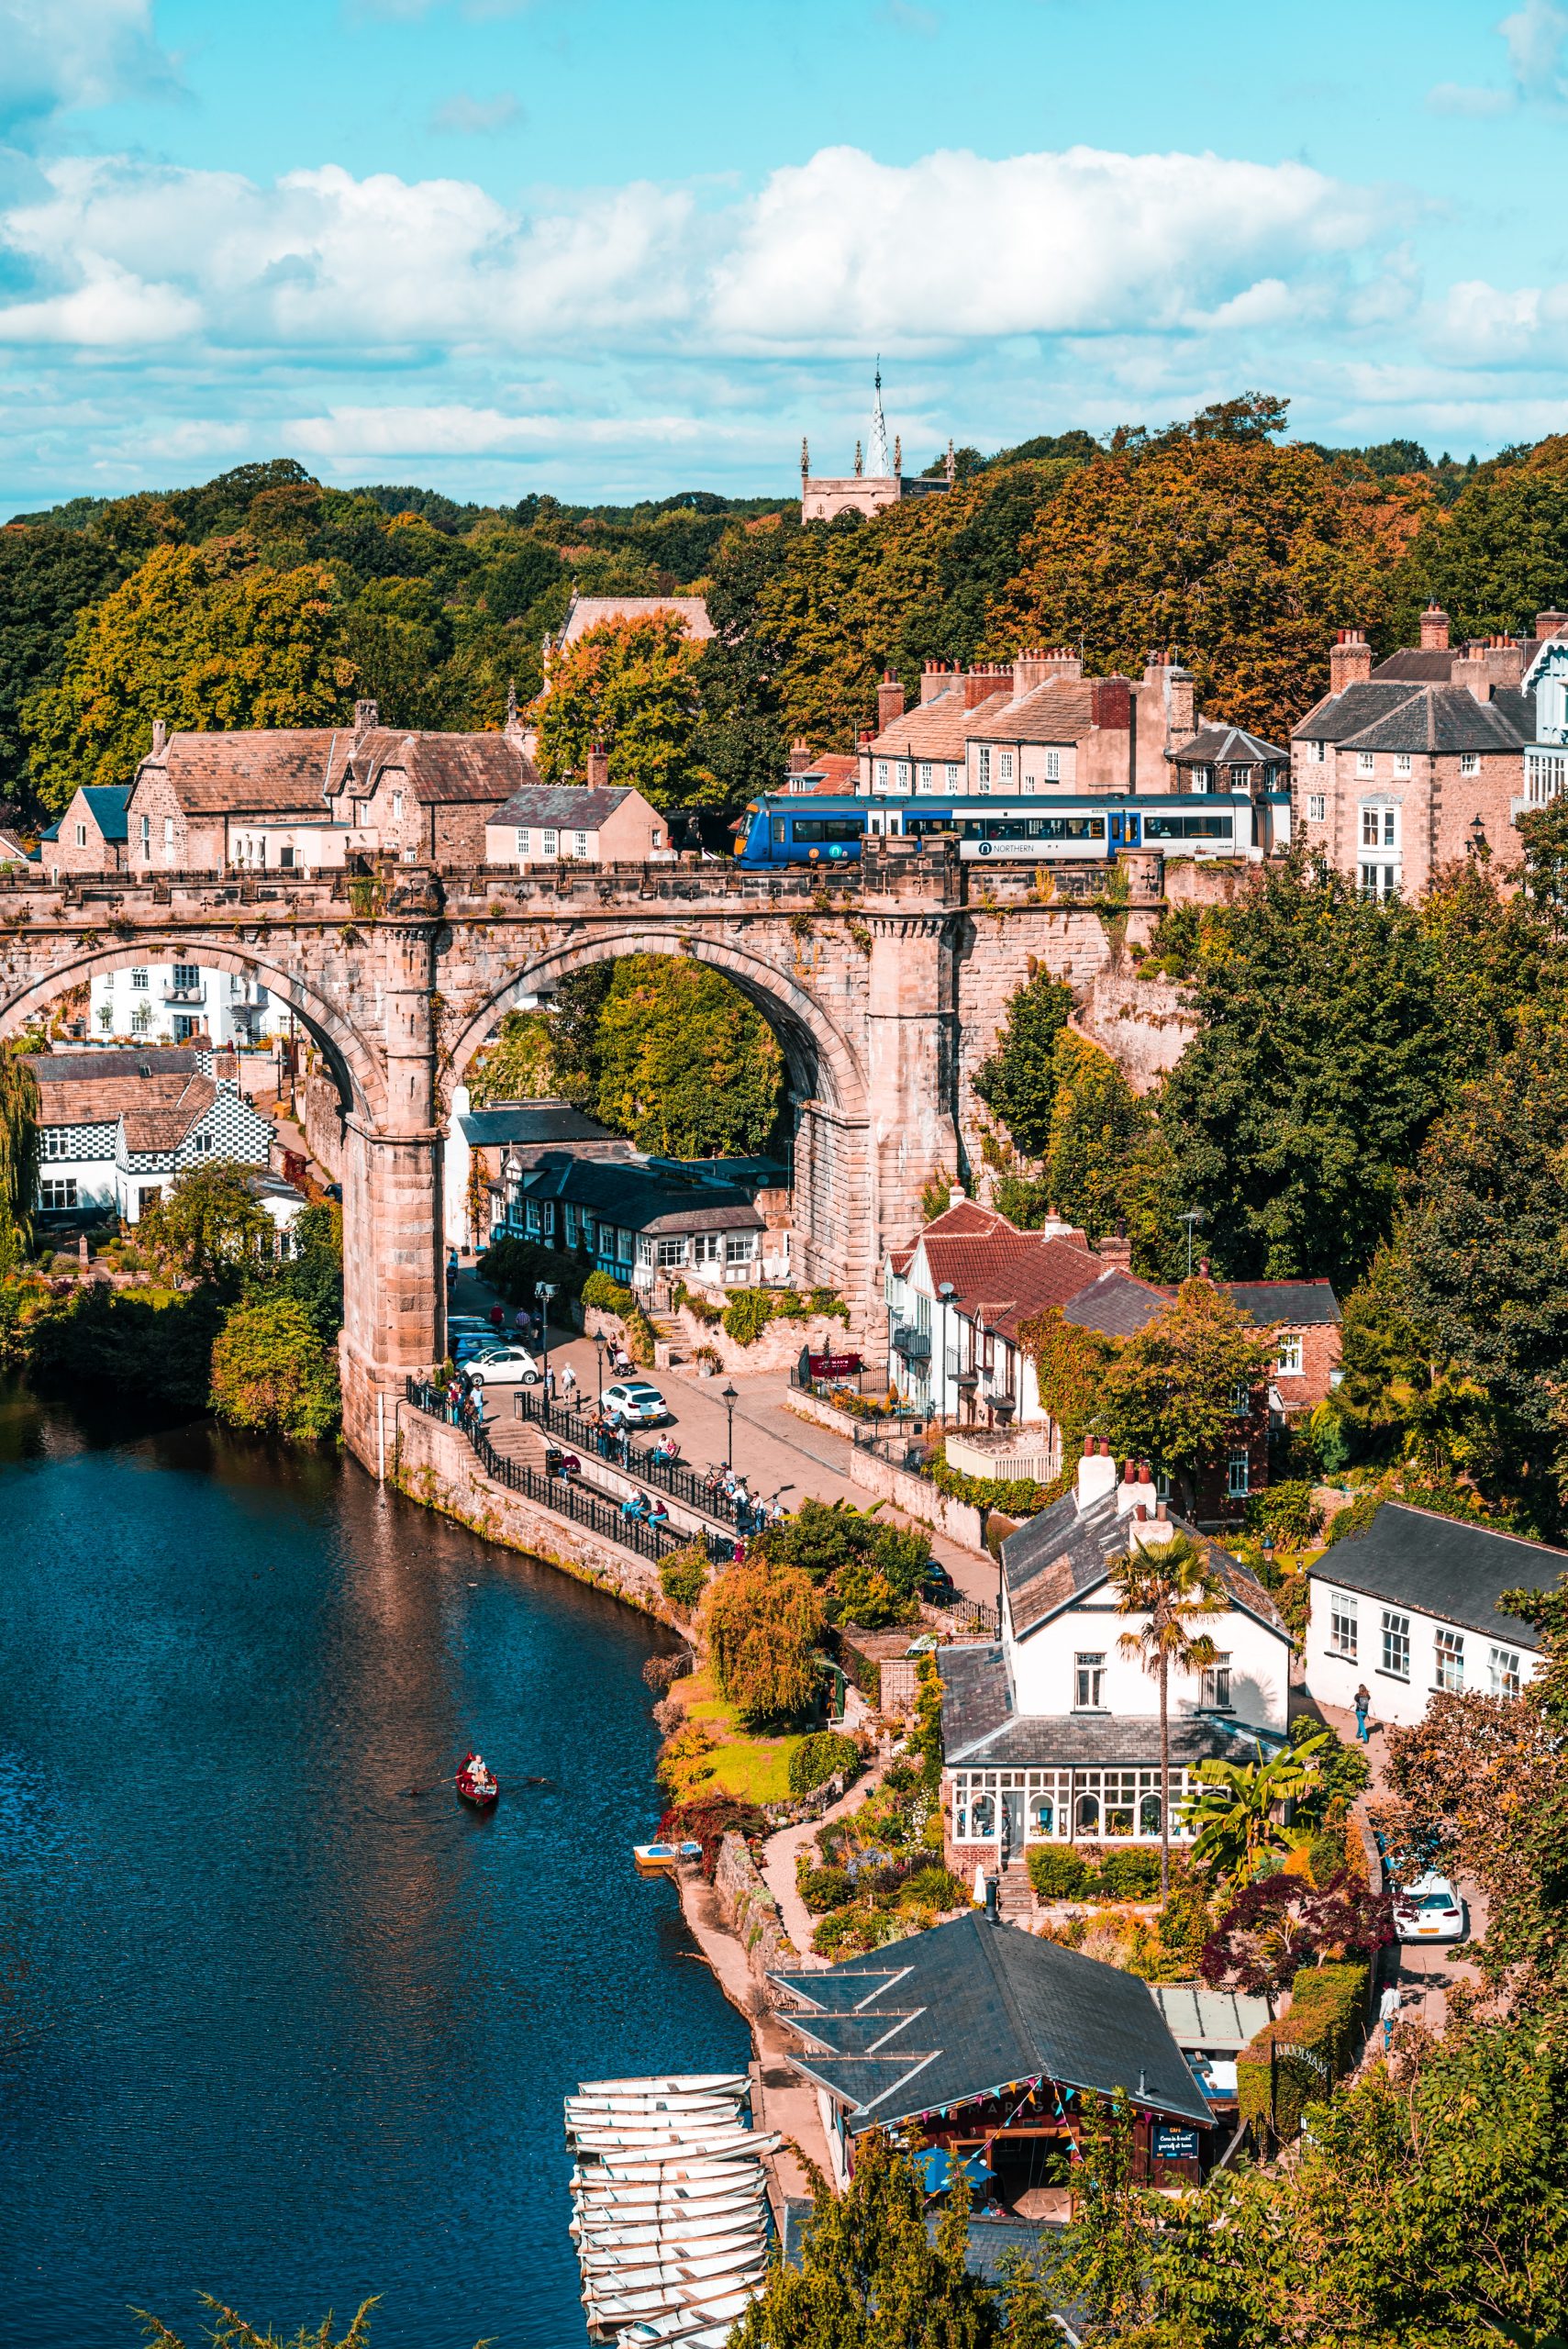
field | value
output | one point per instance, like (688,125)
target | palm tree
(1175,1586)
(1234,1810)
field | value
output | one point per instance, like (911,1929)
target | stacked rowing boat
(670,2208)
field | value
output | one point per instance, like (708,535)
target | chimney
(935,678)
(1097,1473)
(956,1195)
(1488,662)
(1110,703)
(365,719)
(979,684)
(1115,1250)
(1151,1532)
(889,701)
(1349,660)
(1136,1496)
(1551,623)
(1029,670)
(159,738)
(598,769)
(1434,628)
(513,729)
(993,1913)
(1063,665)
(800,758)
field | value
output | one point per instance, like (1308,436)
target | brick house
(594,823)
(1410,765)
(1304,1317)
(91,836)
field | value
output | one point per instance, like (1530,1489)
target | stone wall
(751,1913)
(777,1348)
(1144,1024)
(918,1498)
(320,1113)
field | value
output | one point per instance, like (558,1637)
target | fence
(557,1493)
(974,1615)
(682,1484)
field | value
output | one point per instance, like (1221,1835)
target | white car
(636,1404)
(1430,1910)
(502,1367)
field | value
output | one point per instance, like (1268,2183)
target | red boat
(475,1784)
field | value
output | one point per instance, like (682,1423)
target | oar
(429,1789)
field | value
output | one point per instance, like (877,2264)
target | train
(823,828)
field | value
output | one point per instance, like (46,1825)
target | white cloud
(470,115)
(1535,36)
(109,309)
(60,53)
(1457,97)
(346,434)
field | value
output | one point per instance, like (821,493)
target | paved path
(781,1851)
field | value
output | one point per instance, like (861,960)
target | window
(285,857)
(901,777)
(828,828)
(1366,763)
(1216,1693)
(706,1248)
(1086,1816)
(1287,1361)
(146,836)
(1237,1475)
(1470,762)
(579,843)
(522,839)
(54,1142)
(57,1194)
(549,843)
(1053,766)
(1545,774)
(1317,752)
(1449,1654)
(1380,827)
(105,1016)
(202,1146)
(952,777)
(398,807)
(138,981)
(1240,778)
(1401,762)
(985,766)
(1379,880)
(672,1251)
(656,839)
(925,774)
(1317,806)
(80,835)
(141,1019)
(739,1247)
(1005,767)
(1089,1683)
(187,978)
(1396,1645)
(1203,778)
(1503,1670)
(1241,1398)
(882,771)
(1342,1624)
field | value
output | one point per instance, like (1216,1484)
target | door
(1012,1821)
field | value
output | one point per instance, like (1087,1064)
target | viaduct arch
(884,986)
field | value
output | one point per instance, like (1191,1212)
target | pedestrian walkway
(781,1851)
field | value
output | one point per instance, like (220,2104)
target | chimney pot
(1434,628)
(160,737)
(993,1912)
(889,701)
(1142,1512)
(1161,1513)
(1349,660)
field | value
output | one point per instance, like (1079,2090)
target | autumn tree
(683,1064)
(633,689)
(272,1375)
(762,1623)
(518,1065)
(1172,1394)
(207,1226)
(199,640)
(18,1158)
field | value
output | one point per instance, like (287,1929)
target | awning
(939,2170)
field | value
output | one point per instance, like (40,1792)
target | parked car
(636,1404)
(469,1342)
(1428,1910)
(501,1366)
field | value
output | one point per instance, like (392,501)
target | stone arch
(355,1065)
(820,1061)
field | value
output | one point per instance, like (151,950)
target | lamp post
(946,1291)
(599,1357)
(544,1291)
(1191,1219)
(730,1398)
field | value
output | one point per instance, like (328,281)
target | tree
(685,1065)
(762,1623)
(47,576)
(1175,1586)
(633,689)
(271,1373)
(18,1158)
(197,639)
(1235,1809)
(1499,553)
(870,2276)
(207,1225)
(1107,2260)
(1096,1120)
(1278,1925)
(827,1539)
(1171,1396)
(740,741)
(1018,1081)
(518,1065)
(232,2332)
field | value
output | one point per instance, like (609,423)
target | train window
(778,830)
(1188,828)
(1032,827)
(827,828)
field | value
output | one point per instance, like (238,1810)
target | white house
(1051,1734)
(1410,1605)
(169,1003)
(116,1128)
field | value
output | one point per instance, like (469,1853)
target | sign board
(834,1366)
(1175,2144)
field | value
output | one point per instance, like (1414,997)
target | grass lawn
(754,1769)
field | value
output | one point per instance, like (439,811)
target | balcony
(914,1345)
(184,997)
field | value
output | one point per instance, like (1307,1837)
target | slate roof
(106,802)
(969,2006)
(981,1729)
(530,1121)
(60,1068)
(1339,716)
(1116,1303)
(1064,1552)
(1411,665)
(443,769)
(1440,1566)
(574,805)
(593,611)
(639,1200)
(1219,746)
(1305,1305)
(158,1110)
(1438,718)
(940,728)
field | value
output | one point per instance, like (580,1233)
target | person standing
(568,1385)
(549,1383)
(1364,1707)
(1388,2008)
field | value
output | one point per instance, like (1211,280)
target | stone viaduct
(885,984)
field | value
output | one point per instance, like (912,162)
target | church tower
(877,480)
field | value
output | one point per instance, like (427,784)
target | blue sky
(612,247)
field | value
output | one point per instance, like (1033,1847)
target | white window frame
(1287,1360)
(982,776)
(1448,1660)
(1053,766)
(1317,752)
(672,1251)
(1470,762)
(882,771)
(1238,1475)
(57,1195)
(549,843)
(1004,766)
(140,980)
(739,1247)
(524,838)
(1089,1681)
(1504,1672)
(1216,1691)
(1396,1645)
(579,843)
(1344,1624)
(1317,807)
(1401,762)
(1366,763)
(80,835)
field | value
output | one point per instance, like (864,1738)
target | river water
(268,2029)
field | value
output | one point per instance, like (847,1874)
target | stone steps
(1015,1894)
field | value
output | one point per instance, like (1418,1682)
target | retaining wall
(751,1912)
(960,1521)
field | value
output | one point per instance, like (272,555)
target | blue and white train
(830,830)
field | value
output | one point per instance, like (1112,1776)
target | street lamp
(947,1292)
(1190,1218)
(730,1398)
(599,1354)
(544,1291)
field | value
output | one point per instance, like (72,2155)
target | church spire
(878,467)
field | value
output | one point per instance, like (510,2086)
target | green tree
(1095,1122)
(18,1158)
(1105,2267)
(685,1065)
(740,741)
(1018,1081)
(207,1226)
(518,1066)
(1171,1393)
(1175,1587)
(762,1623)
(271,1373)
(633,689)
(47,576)
(1234,1810)
(1499,553)
(197,640)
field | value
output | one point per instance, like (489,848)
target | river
(268,2028)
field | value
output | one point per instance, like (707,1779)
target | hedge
(610,1296)
(819,1757)
(512,1266)
(1315,2044)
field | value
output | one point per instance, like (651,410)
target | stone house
(483,1144)
(115,1129)
(1051,1734)
(594,823)
(644,1223)
(91,836)
(170,1003)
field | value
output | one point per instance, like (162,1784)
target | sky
(615,249)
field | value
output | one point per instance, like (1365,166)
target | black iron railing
(558,1492)
(671,1476)
(974,1615)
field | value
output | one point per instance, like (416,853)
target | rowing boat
(710,2083)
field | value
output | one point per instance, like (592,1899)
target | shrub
(1354,1518)
(825,1888)
(859,1594)
(1056,1871)
(935,1887)
(684,1761)
(762,1625)
(600,1289)
(1129,1876)
(748,1315)
(1183,1925)
(1277,1926)
(1326,1857)
(640,1337)
(707,1820)
(1284,1511)
(824,1537)
(850,1933)
(818,1758)
(682,1576)
(1017,1497)
(272,1375)
(1314,2045)
(511,1266)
